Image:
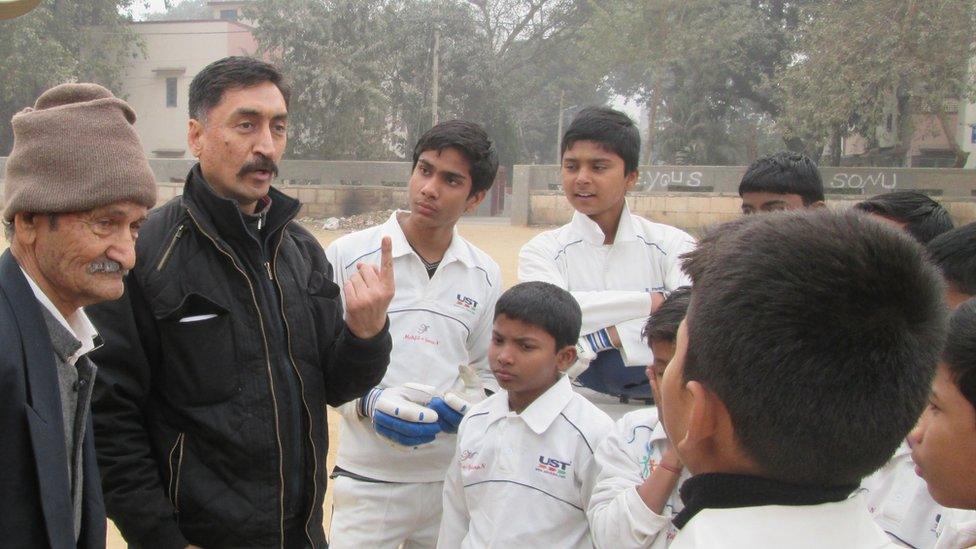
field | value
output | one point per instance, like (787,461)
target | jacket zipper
(301,385)
(274,399)
(169,249)
(174,482)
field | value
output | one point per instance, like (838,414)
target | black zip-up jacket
(192,396)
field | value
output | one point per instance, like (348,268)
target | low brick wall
(325,201)
(694,212)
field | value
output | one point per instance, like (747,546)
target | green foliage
(60,41)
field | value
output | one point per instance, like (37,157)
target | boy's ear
(704,415)
(631,179)
(566,357)
(474,200)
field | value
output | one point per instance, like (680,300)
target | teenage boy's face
(944,444)
(595,181)
(525,360)
(663,354)
(440,188)
(770,202)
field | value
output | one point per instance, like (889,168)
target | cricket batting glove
(400,413)
(587,349)
(466,392)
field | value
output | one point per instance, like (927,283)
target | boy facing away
(796,375)
(638,473)
(617,265)
(524,469)
(944,441)
(912,211)
(954,252)
(781,181)
(397,440)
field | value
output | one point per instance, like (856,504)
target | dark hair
(612,129)
(784,173)
(959,354)
(663,325)
(544,305)
(471,141)
(923,217)
(954,252)
(819,331)
(209,85)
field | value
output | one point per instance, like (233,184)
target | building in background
(157,84)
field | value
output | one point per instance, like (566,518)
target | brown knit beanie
(74,151)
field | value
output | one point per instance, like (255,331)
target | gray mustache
(106,266)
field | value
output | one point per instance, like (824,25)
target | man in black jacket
(77,188)
(219,360)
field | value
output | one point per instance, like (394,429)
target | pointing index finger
(386,260)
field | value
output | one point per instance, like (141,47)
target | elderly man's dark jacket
(37,505)
(192,415)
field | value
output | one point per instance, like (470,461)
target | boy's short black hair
(230,73)
(544,305)
(784,173)
(960,349)
(611,128)
(923,217)
(819,331)
(663,324)
(954,252)
(471,141)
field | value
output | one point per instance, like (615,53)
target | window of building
(228,15)
(171,91)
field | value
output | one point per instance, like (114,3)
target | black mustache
(262,163)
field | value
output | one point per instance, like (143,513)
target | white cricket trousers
(385,515)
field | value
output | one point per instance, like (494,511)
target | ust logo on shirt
(466,303)
(554,467)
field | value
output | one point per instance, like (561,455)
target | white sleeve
(480,337)
(601,309)
(632,343)
(455,517)
(674,276)
(618,516)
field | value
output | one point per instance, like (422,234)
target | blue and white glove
(466,391)
(587,349)
(400,414)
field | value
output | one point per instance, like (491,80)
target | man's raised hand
(368,294)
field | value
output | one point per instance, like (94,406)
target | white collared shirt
(78,324)
(843,524)
(436,324)
(523,480)
(958,531)
(612,283)
(619,518)
(900,502)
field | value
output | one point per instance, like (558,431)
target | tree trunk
(835,147)
(651,136)
(961,155)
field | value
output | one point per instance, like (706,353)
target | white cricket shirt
(523,480)
(437,324)
(619,518)
(612,283)
(900,502)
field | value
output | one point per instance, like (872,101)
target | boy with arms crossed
(638,473)
(617,265)
(390,468)
(780,416)
(523,471)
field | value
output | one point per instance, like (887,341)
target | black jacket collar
(728,491)
(222,216)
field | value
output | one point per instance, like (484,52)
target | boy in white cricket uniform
(781,396)
(396,442)
(638,473)
(524,468)
(617,265)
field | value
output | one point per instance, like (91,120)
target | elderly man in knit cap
(77,188)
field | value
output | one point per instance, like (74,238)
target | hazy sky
(141,7)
